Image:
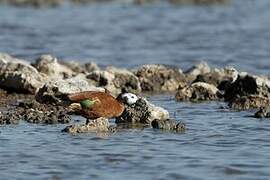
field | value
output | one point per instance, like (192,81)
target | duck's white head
(129,98)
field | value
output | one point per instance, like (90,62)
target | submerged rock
(92,126)
(18,75)
(198,2)
(56,91)
(199,91)
(142,112)
(168,124)
(249,102)
(159,78)
(8,118)
(50,66)
(264,112)
(33,3)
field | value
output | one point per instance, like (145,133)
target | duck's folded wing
(77,97)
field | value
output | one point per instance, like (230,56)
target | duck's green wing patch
(87,103)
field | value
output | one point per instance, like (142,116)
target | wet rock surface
(249,102)
(17,75)
(91,126)
(142,112)
(159,78)
(199,91)
(264,112)
(168,124)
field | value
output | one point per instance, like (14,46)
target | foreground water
(219,143)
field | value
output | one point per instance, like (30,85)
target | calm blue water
(219,144)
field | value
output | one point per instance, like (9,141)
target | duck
(96,104)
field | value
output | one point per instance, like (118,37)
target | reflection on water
(219,143)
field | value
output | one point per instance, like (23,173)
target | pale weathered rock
(77,68)
(114,80)
(197,69)
(92,126)
(168,124)
(50,66)
(159,78)
(219,77)
(199,91)
(142,112)
(18,75)
(125,79)
(57,91)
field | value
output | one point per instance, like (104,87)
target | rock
(114,80)
(77,68)
(33,112)
(249,102)
(199,91)
(142,112)
(168,124)
(198,69)
(247,85)
(218,77)
(93,126)
(56,91)
(50,66)
(8,118)
(18,75)
(159,78)
(264,112)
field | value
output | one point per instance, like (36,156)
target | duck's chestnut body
(97,104)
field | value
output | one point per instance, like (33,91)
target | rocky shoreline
(37,92)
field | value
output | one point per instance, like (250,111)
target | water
(219,143)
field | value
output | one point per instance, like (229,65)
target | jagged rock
(57,91)
(249,102)
(8,118)
(18,75)
(77,68)
(168,124)
(218,77)
(264,112)
(142,112)
(115,80)
(50,66)
(247,85)
(92,126)
(159,78)
(199,91)
(198,69)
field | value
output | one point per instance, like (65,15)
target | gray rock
(199,91)
(142,112)
(18,75)
(159,78)
(77,68)
(33,3)
(50,66)
(199,2)
(57,91)
(94,126)
(198,69)
(168,124)
(249,102)
(114,80)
